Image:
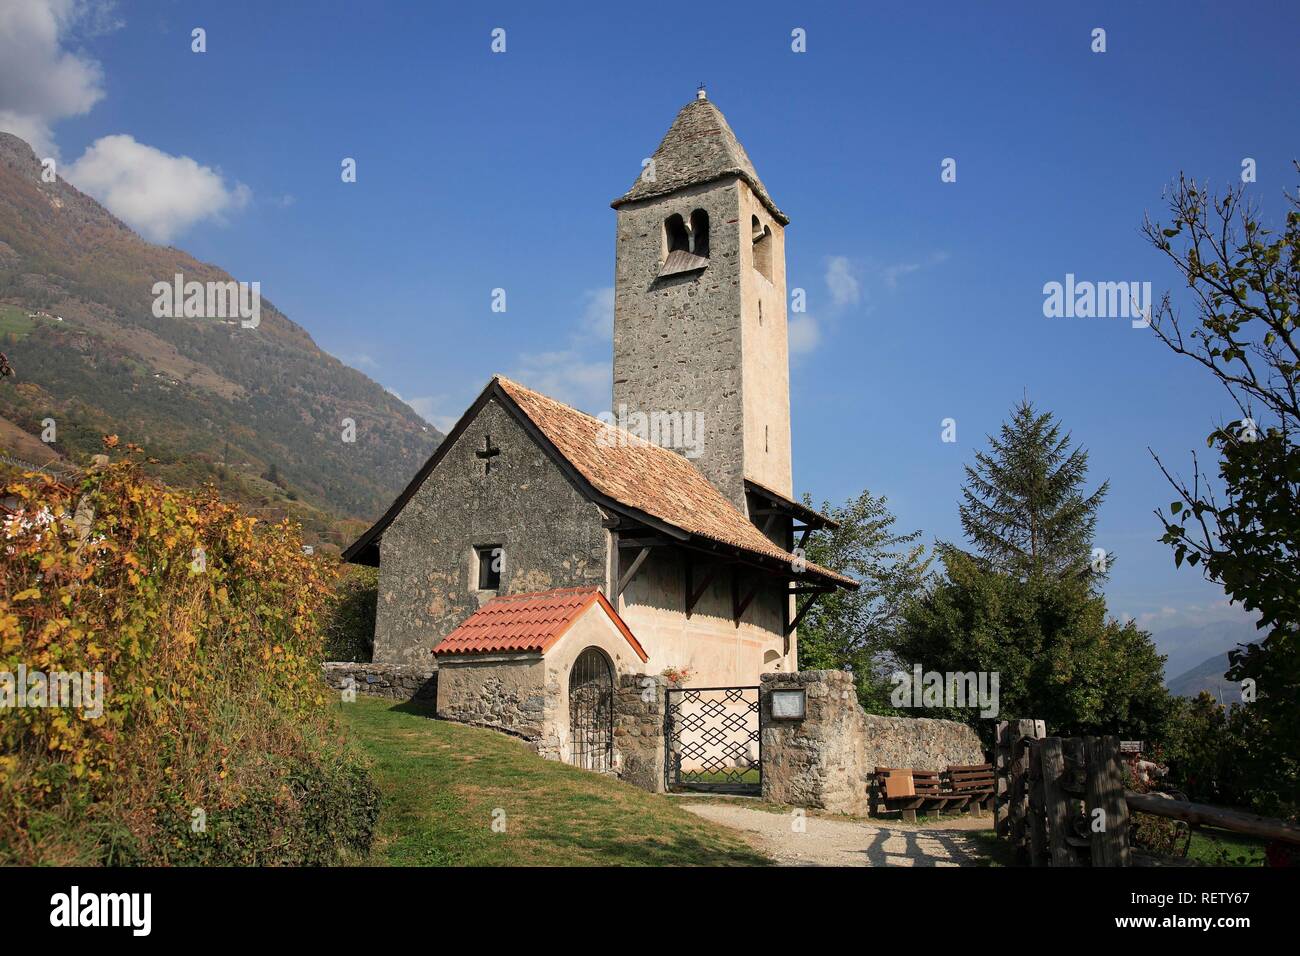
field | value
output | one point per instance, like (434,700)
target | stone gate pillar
(816,760)
(639,709)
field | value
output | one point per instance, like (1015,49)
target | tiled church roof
(624,470)
(528,622)
(698,148)
(641,475)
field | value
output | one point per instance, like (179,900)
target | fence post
(1055,802)
(1037,810)
(1105,791)
(1001,779)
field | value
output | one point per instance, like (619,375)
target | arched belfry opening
(675,234)
(700,233)
(761,237)
(686,242)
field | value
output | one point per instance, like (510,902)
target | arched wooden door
(591,711)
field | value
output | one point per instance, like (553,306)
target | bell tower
(700,304)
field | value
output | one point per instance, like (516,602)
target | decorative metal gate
(591,712)
(713,740)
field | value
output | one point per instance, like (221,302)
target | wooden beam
(803,538)
(693,596)
(650,542)
(791,625)
(626,579)
(1236,820)
(738,603)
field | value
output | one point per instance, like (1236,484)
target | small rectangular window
(490,557)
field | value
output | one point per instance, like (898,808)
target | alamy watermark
(946,689)
(1101,300)
(679,431)
(67,690)
(179,299)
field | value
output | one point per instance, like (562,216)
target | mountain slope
(1207,676)
(259,411)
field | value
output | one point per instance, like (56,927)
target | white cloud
(843,284)
(598,312)
(568,377)
(894,272)
(804,334)
(155,193)
(41,82)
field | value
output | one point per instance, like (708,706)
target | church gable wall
(550,535)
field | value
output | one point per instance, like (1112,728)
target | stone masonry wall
(551,537)
(677,340)
(398,681)
(505,694)
(639,702)
(826,759)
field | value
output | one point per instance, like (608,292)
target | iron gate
(713,740)
(591,712)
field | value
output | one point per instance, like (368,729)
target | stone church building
(539,542)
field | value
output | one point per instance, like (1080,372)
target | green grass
(442,783)
(1223,848)
(14,319)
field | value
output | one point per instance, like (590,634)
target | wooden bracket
(738,603)
(627,575)
(792,624)
(693,594)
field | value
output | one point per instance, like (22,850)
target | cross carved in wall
(487,454)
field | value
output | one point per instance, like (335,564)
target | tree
(851,629)
(1025,606)
(1023,508)
(1058,655)
(1243,530)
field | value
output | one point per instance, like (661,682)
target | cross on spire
(487,454)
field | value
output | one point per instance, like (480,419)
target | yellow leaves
(171,643)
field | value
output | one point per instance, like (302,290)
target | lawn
(1223,848)
(445,785)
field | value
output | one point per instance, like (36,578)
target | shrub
(204,625)
(349,622)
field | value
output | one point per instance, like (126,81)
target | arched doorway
(591,711)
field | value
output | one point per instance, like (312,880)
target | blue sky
(478,170)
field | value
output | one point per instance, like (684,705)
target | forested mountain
(258,411)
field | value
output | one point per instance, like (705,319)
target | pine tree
(1025,510)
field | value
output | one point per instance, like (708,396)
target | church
(540,548)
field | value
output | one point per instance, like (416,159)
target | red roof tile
(528,622)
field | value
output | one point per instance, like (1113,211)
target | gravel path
(830,842)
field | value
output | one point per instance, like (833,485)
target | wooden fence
(1061,801)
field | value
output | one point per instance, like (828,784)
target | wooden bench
(974,781)
(908,790)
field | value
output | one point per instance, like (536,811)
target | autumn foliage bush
(216,744)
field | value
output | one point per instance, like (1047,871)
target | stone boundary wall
(639,746)
(395,681)
(826,759)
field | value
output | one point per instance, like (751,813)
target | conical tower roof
(699,148)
